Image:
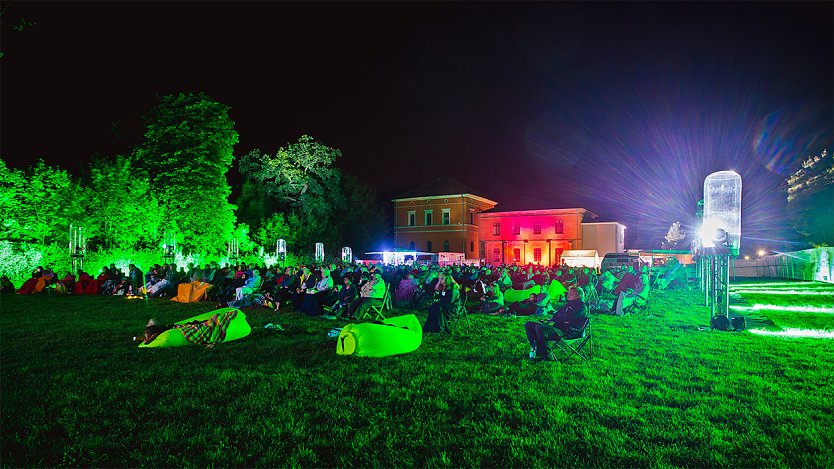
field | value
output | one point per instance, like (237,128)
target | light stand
(77,247)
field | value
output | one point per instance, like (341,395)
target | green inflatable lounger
(237,328)
(511,296)
(394,336)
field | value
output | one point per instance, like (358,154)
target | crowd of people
(349,291)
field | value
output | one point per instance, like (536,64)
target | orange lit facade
(440,223)
(530,236)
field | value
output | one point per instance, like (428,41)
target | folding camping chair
(385,304)
(461,314)
(568,346)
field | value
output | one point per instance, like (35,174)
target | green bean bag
(556,290)
(237,329)
(397,335)
(511,296)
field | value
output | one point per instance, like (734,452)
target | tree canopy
(187,151)
(810,194)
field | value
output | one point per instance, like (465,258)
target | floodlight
(722,209)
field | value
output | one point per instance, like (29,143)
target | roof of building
(441,186)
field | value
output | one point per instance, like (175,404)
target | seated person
(405,291)
(209,332)
(447,306)
(535,304)
(493,301)
(6,285)
(346,296)
(638,294)
(565,323)
(322,293)
(306,281)
(370,294)
(251,285)
(66,284)
(136,279)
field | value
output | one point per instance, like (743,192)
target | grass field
(658,392)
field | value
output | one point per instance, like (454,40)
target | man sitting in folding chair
(567,323)
(372,293)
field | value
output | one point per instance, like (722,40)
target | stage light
(761,252)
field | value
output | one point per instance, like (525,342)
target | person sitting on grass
(442,311)
(535,304)
(6,285)
(566,323)
(492,302)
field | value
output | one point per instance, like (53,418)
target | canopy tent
(581,258)
(400,256)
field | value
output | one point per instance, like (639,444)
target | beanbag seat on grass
(236,329)
(512,296)
(192,292)
(556,290)
(401,334)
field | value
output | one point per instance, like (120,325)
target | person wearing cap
(252,284)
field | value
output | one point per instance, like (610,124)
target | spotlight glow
(793,309)
(787,292)
(796,333)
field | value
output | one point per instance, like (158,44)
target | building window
(516,255)
(496,229)
(428,246)
(428,214)
(537,229)
(516,228)
(471,246)
(560,226)
(445,216)
(471,217)
(496,255)
(411,245)
(412,218)
(537,255)
(445,246)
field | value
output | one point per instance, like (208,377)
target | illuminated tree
(121,208)
(675,235)
(39,204)
(186,153)
(301,181)
(810,194)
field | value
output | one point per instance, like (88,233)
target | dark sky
(620,108)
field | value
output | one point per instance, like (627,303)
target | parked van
(613,260)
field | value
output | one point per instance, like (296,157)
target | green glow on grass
(796,309)
(796,333)
(787,292)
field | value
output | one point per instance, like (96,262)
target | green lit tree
(39,204)
(363,224)
(121,208)
(810,193)
(302,184)
(186,154)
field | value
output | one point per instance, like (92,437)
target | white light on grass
(796,333)
(788,292)
(793,309)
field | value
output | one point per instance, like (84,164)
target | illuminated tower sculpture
(233,251)
(281,251)
(169,246)
(347,254)
(720,240)
(77,247)
(319,252)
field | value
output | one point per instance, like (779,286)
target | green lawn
(658,392)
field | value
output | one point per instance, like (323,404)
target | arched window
(445,246)
(428,246)
(411,245)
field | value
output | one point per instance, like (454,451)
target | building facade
(441,216)
(530,236)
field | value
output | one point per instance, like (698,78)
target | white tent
(581,258)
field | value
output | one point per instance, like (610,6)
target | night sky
(620,108)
